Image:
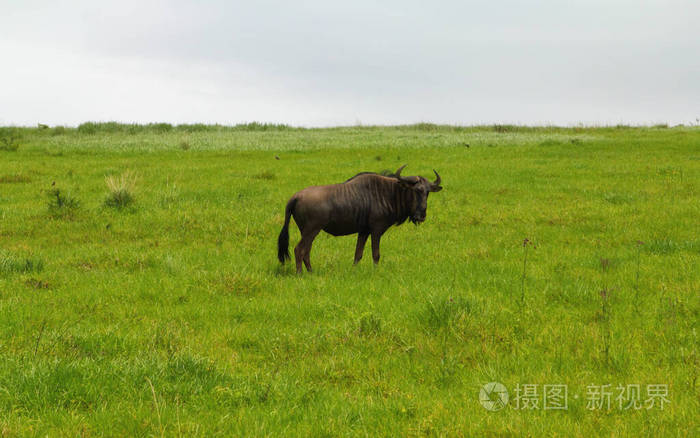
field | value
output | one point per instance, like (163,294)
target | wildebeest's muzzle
(418,217)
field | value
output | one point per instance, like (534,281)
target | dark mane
(377,195)
(386,173)
(361,173)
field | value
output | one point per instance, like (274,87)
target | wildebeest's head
(420,187)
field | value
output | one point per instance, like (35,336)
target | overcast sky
(321,63)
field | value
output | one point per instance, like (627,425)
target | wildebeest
(366,204)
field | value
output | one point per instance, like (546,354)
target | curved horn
(437,181)
(398,172)
(410,180)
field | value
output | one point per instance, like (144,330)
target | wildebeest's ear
(435,188)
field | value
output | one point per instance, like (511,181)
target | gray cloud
(323,63)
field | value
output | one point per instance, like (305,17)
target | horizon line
(273,125)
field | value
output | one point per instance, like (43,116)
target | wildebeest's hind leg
(360,248)
(298,256)
(302,252)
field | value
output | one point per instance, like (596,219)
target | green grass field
(171,315)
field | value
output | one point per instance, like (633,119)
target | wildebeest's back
(333,208)
(350,207)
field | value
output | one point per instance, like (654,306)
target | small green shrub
(111,127)
(87,128)
(10,139)
(161,128)
(106,127)
(119,199)
(14,178)
(61,203)
(257,126)
(504,128)
(267,175)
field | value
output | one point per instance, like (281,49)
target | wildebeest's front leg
(376,237)
(361,239)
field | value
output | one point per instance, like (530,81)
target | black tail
(283,239)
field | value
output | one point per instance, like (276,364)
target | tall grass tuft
(636,277)
(605,310)
(526,242)
(442,312)
(169,195)
(61,203)
(370,325)
(121,190)
(12,264)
